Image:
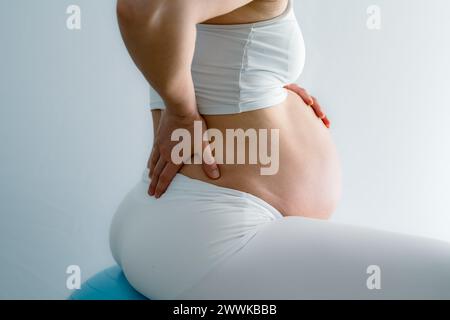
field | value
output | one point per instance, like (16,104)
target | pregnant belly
(306,181)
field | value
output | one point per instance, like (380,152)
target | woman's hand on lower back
(310,101)
(163,165)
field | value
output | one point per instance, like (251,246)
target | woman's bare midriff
(308,181)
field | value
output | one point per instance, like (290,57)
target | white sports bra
(243,67)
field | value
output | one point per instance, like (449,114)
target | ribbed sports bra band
(243,67)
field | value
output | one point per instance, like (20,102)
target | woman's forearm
(161,42)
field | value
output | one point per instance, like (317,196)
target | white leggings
(200,241)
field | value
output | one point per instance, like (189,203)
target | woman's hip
(179,237)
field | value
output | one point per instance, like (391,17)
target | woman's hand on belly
(310,101)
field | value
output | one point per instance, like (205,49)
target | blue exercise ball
(109,284)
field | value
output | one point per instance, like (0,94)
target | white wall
(387,93)
(75,135)
(75,132)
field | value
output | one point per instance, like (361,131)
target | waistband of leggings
(201,185)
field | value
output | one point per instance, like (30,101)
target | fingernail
(215,173)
